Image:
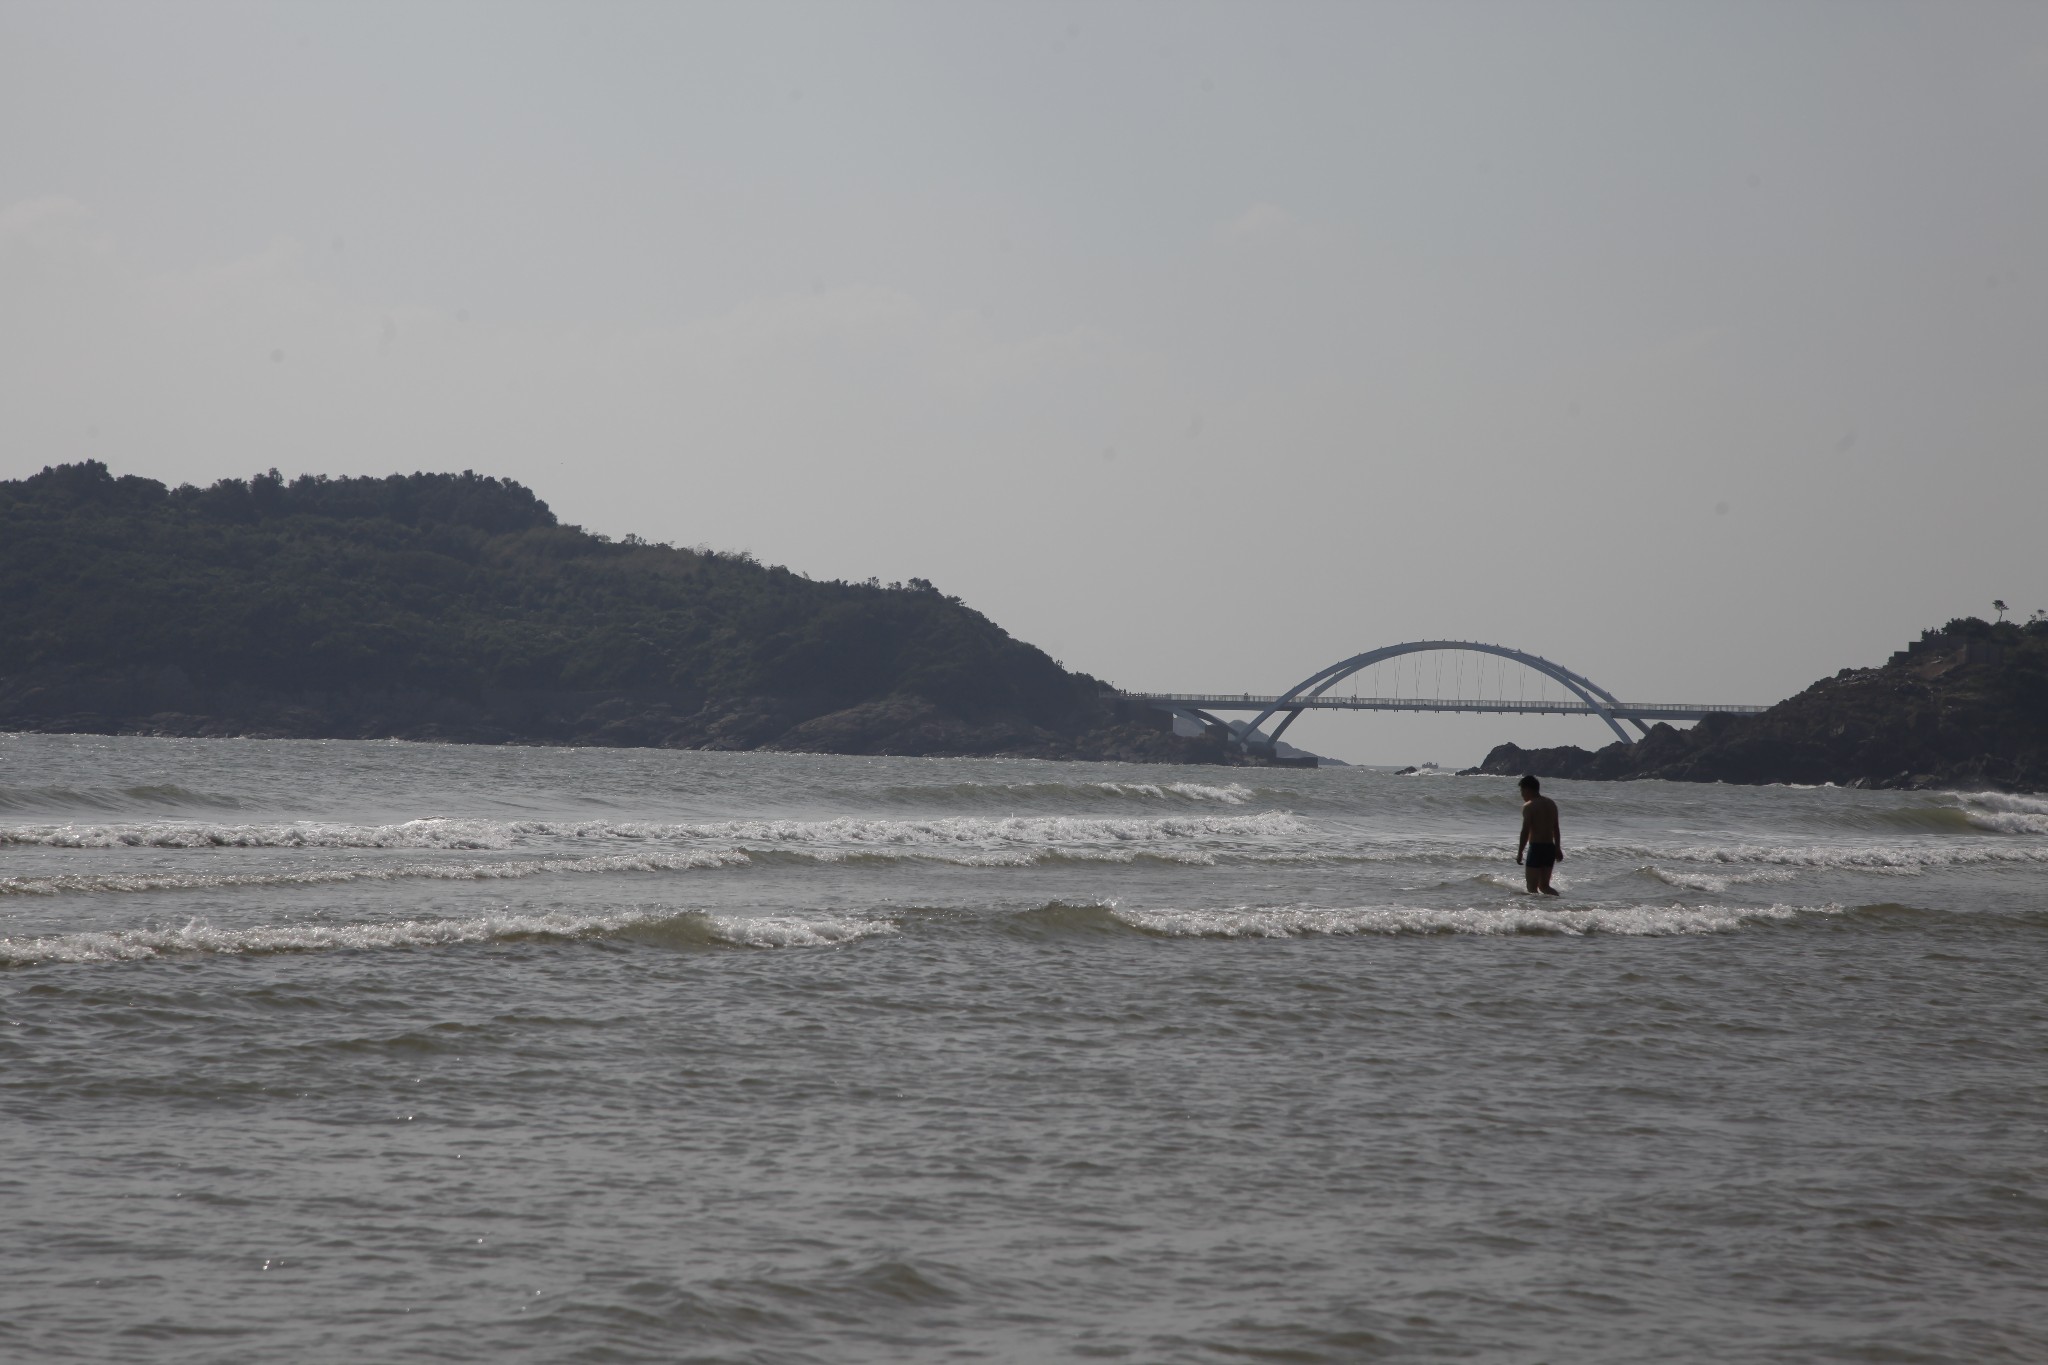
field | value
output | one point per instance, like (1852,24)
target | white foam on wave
(2008,822)
(1707,881)
(794,931)
(1229,794)
(1896,857)
(738,931)
(2003,812)
(991,793)
(959,829)
(1034,857)
(87,882)
(423,834)
(2008,801)
(1289,922)
(478,834)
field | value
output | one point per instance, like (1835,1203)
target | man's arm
(1523,842)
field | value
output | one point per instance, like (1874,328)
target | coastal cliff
(455,607)
(1966,705)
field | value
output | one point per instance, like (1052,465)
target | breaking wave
(1012,794)
(1291,922)
(1707,881)
(957,842)
(1229,794)
(669,928)
(1881,858)
(2014,801)
(465,834)
(2004,812)
(86,882)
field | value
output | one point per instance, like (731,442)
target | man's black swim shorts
(1542,854)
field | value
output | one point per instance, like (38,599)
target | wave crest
(1896,858)
(90,882)
(1707,881)
(669,928)
(1289,922)
(476,834)
(2004,801)
(140,796)
(1055,793)
(2000,812)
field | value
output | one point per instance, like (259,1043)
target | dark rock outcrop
(1964,706)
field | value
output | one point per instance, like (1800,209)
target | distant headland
(1962,706)
(456,607)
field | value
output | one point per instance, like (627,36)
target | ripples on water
(330,1051)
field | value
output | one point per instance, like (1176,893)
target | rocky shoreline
(1963,706)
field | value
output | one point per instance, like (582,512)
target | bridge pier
(1163,714)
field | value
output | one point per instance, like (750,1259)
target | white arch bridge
(1312,693)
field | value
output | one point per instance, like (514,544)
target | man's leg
(1546,887)
(1533,875)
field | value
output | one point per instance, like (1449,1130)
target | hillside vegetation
(1966,705)
(456,606)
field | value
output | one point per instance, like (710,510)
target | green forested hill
(456,606)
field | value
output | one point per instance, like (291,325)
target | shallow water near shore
(331,1051)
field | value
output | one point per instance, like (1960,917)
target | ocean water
(364,1052)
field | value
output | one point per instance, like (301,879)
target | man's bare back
(1542,838)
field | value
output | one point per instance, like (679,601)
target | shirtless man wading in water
(1540,836)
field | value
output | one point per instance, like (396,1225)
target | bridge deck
(1630,710)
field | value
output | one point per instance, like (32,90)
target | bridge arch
(1595,696)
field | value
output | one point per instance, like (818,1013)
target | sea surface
(365,1052)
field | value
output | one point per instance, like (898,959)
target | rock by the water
(1966,706)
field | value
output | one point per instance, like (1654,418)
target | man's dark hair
(1530,784)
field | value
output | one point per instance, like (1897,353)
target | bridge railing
(1245,701)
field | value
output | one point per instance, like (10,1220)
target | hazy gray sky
(1702,348)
